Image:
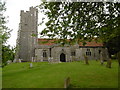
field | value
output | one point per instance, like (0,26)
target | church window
(99,51)
(88,52)
(73,53)
(88,49)
(44,54)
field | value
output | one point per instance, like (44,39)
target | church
(31,48)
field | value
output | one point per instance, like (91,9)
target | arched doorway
(62,57)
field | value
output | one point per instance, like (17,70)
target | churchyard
(53,75)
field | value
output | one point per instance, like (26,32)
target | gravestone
(31,65)
(101,58)
(70,59)
(67,82)
(14,61)
(32,59)
(109,63)
(86,60)
(19,60)
(9,61)
(50,60)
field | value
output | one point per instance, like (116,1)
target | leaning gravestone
(67,82)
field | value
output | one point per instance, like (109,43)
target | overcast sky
(13,11)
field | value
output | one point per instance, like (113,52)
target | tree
(113,45)
(82,21)
(6,52)
(5,32)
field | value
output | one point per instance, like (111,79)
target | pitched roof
(91,44)
(52,42)
(46,41)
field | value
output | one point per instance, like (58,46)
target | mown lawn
(0,77)
(45,75)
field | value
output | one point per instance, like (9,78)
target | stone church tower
(27,34)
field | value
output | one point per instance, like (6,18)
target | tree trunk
(118,57)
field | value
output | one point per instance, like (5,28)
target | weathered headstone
(9,61)
(14,61)
(67,82)
(19,60)
(109,63)
(86,60)
(50,60)
(101,58)
(31,65)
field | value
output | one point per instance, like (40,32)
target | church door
(62,57)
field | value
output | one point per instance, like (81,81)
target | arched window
(73,53)
(44,54)
(88,52)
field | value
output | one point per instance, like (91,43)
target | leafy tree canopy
(4,31)
(81,21)
(5,50)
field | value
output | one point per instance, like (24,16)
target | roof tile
(51,42)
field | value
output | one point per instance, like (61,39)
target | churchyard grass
(0,77)
(45,75)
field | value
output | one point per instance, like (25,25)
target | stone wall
(56,51)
